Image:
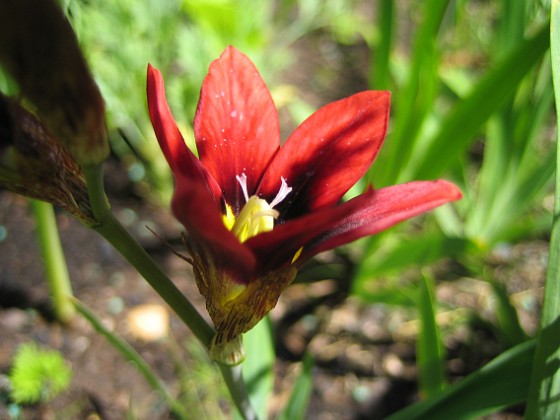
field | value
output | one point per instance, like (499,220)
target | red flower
(255,211)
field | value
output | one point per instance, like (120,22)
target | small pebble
(148,322)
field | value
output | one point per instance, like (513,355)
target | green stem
(233,377)
(108,227)
(54,261)
(132,356)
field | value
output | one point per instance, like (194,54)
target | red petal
(236,125)
(367,214)
(218,246)
(329,152)
(184,164)
(378,210)
(276,248)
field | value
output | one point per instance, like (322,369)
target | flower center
(257,215)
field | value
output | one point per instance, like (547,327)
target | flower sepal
(236,307)
(229,353)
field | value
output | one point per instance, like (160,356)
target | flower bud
(34,164)
(39,49)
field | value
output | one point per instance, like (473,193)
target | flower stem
(108,227)
(54,261)
(233,377)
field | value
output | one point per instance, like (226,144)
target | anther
(282,193)
(242,179)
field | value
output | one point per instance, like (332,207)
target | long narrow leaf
(465,120)
(258,368)
(430,351)
(297,404)
(132,356)
(397,254)
(544,396)
(501,383)
(506,315)
(417,97)
(379,77)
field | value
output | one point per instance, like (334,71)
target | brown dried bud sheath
(39,49)
(34,164)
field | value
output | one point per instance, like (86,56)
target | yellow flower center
(257,215)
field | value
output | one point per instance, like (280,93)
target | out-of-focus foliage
(181,38)
(38,375)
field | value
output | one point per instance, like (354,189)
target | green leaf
(430,351)
(501,383)
(379,76)
(297,404)
(258,368)
(510,328)
(544,401)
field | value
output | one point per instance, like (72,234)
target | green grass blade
(501,383)
(132,356)
(430,351)
(258,368)
(297,404)
(398,253)
(508,321)
(465,120)
(512,25)
(379,76)
(416,99)
(544,401)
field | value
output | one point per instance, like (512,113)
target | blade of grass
(417,96)
(422,249)
(511,150)
(299,399)
(466,118)
(543,401)
(506,315)
(501,383)
(430,351)
(379,73)
(512,25)
(258,367)
(132,356)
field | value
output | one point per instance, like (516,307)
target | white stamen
(282,193)
(242,179)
